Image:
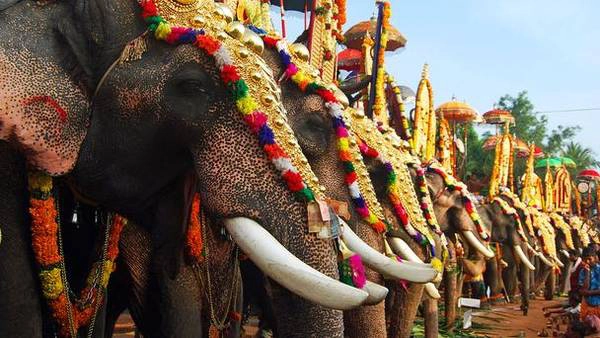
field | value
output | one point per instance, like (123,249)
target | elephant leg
(20,296)
(524,273)
(117,299)
(451,298)
(430,312)
(509,274)
(541,277)
(564,275)
(550,285)
(404,310)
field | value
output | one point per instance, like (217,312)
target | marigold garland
(453,185)
(379,107)
(45,243)
(194,244)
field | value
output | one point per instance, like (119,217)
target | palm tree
(583,157)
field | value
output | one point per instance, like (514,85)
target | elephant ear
(43,111)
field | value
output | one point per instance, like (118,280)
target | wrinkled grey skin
(150,145)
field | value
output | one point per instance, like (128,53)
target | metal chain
(99,272)
(221,323)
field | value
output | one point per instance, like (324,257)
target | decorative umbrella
(456,111)
(355,35)
(295,5)
(538,153)
(350,59)
(498,116)
(591,174)
(408,95)
(552,162)
(568,162)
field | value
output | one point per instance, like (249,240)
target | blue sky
(480,50)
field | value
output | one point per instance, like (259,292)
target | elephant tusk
(558,262)
(530,248)
(379,262)
(289,271)
(377,293)
(565,252)
(523,257)
(400,247)
(477,245)
(545,260)
(432,291)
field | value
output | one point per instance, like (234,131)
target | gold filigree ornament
(393,149)
(244,48)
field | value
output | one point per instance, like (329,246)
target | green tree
(583,157)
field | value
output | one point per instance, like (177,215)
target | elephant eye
(191,87)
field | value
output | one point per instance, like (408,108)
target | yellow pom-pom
(246,105)
(162,31)
(343,144)
(52,285)
(437,264)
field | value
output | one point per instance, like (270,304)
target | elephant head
(163,127)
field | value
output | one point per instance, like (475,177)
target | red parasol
(498,116)
(350,59)
(457,112)
(538,153)
(355,35)
(591,174)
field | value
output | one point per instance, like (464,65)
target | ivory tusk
(377,293)
(558,262)
(401,248)
(545,260)
(416,273)
(565,252)
(476,244)
(519,252)
(289,271)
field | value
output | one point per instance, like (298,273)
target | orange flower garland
(194,243)
(379,105)
(47,246)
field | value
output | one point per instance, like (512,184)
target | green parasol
(568,162)
(551,162)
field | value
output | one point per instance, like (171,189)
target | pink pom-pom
(358,271)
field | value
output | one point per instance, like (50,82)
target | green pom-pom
(239,89)
(345,272)
(348,167)
(306,195)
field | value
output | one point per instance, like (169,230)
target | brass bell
(235,29)
(253,41)
(300,51)
(224,12)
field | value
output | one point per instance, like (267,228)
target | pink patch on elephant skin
(45,99)
(43,113)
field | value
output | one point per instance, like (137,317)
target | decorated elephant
(170,133)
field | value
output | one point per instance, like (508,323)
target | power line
(567,110)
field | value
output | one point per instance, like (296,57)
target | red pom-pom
(274,151)
(148,9)
(229,74)
(326,95)
(207,43)
(270,41)
(293,180)
(255,121)
(351,177)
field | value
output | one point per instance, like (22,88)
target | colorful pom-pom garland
(453,185)
(306,84)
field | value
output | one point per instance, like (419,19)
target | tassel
(135,49)
(352,271)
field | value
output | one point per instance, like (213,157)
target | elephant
(170,134)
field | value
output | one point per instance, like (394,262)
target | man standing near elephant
(589,280)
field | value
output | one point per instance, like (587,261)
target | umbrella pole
(372,89)
(311,28)
(305,16)
(282,12)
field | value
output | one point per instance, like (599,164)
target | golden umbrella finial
(425,71)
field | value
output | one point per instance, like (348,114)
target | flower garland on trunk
(47,248)
(453,185)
